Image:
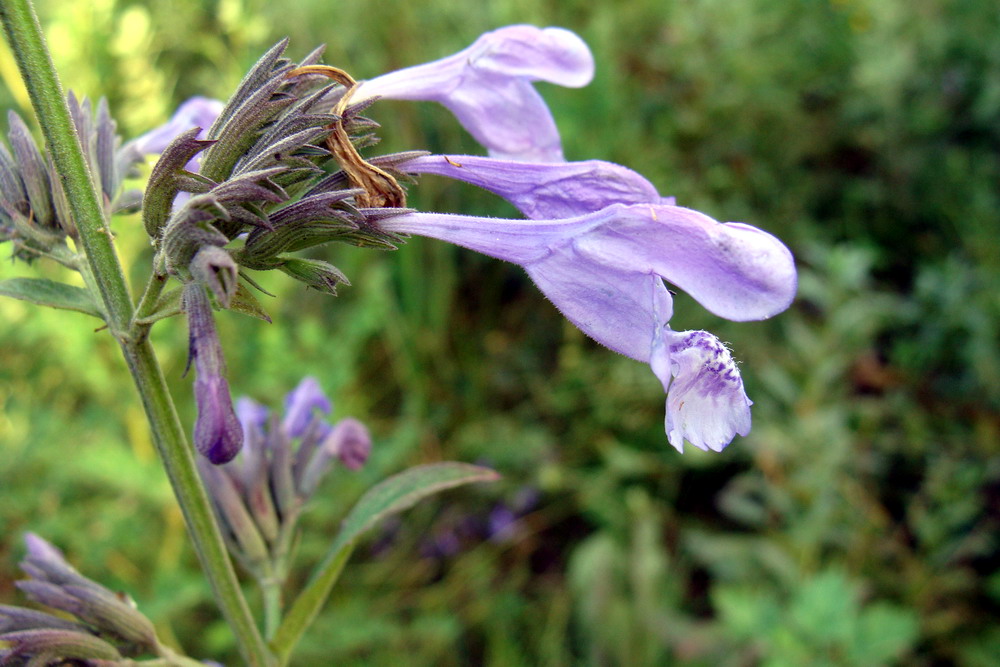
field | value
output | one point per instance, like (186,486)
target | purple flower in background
(195,112)
(259,496)
(488,86)
(301,403)
(602,264)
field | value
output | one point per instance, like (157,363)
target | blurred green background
(858,524)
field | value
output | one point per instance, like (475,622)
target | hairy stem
(28,45)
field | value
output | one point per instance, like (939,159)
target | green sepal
(245,302)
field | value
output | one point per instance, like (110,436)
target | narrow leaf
(392,496)
(51,293)
(403,491)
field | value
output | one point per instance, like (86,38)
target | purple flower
(218,434)
(604,270)
(549,190)
(488,86)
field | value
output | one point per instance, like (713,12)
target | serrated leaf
(245,302)
(51,293)
(394,495)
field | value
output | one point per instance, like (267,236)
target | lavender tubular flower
(488,86)
(550,190)
(217,432)
(734,270)
(604,271)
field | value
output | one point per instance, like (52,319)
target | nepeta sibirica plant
(285,165)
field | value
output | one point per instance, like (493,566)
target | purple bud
(56,584)
(13,619)
(47,563)
(299,406)
(349,441)
(352,443)
(55,647)
(215,269)
(217,432)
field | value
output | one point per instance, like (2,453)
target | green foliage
(856,525)
(821,624)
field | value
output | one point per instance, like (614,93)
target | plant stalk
(25,37)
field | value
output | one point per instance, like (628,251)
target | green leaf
(403,491)
(391,496)
(747,612)
(245,302)
(50,293)
(824,608)
(884,633)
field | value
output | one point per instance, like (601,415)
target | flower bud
(247,540)
(300,404)
(352,443)
(215,269)
(58,585)
(53,647)
(349,441)
(217,432)
(13,619)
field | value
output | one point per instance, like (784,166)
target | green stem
(178,459)
(146,308)
(28,45)
(308,604)
(270,589)
(25,37)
